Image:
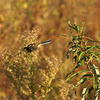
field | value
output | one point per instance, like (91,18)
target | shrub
(85,53)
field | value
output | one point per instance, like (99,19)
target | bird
(33,46)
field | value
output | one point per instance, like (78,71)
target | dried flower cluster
(32,74)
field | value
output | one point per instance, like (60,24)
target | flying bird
(34,46)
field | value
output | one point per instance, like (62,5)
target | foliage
(30,74)
(84,51)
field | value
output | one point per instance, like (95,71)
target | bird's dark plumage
(30,48)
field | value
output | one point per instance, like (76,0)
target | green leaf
(87,75)
(72,71)
(97,46)
(75,27)
(82,80)
(76,74)
(81,56)
(89,48)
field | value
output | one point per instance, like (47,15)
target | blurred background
(49,18)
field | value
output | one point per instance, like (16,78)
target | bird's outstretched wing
(46,42)
(33,46)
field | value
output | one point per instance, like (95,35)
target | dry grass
(51,17)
